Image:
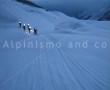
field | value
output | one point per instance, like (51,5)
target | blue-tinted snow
(76,7)
(52,68)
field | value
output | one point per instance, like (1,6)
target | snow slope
(64,68)
(81,9)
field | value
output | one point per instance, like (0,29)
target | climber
(20,23)
(24,27)
(28,25)
(30,29)
(35,31)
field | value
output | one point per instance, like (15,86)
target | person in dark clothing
(35,31)
(20,24)
(24,27)
(28,25)
(29,28)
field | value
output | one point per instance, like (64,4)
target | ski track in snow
(60,73)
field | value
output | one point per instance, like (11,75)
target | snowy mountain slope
(86,9)
(101,15)
(29,3)
(106,15)
(65,68)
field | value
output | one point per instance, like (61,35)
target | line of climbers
(28,28)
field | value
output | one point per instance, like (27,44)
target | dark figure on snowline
(28,25)
(29,28)
(35,31)
(20,24)
(24,27)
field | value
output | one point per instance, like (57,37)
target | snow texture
(64,68)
